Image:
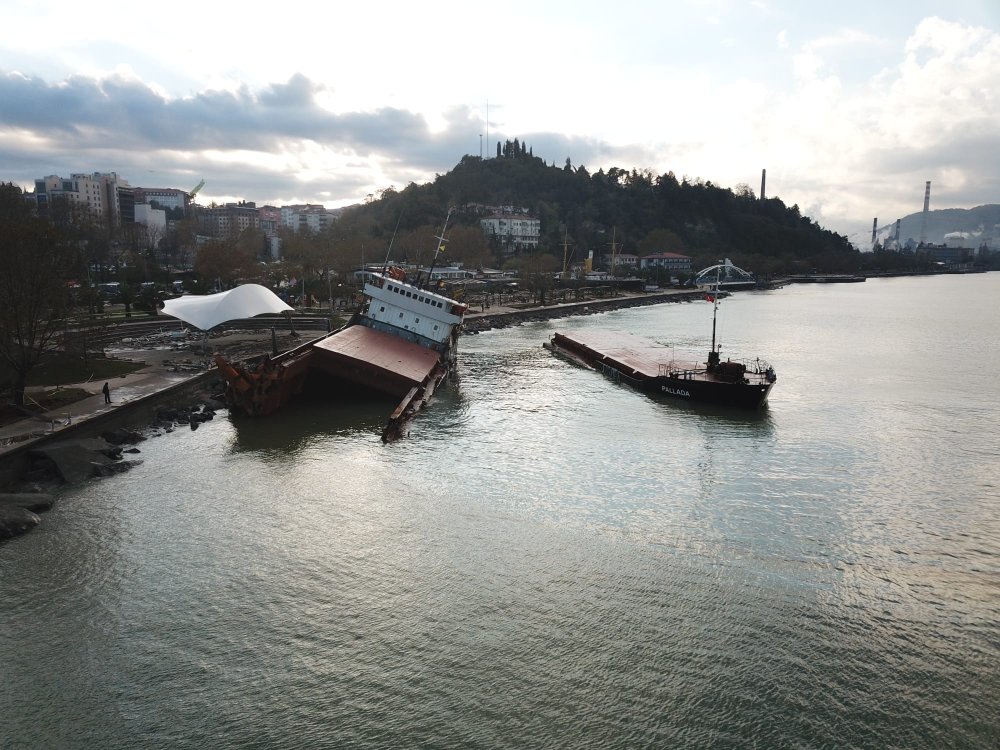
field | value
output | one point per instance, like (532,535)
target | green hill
(645,213)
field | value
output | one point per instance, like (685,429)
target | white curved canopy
(205,311)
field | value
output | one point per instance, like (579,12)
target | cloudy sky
(850,106)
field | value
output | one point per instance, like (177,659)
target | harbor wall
(484,321)
(135,414)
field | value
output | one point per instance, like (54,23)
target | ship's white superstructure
(425,314)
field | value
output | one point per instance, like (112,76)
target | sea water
(550,558)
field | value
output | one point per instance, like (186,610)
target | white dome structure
(206,311)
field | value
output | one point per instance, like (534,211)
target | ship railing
(676,370)
(759,367)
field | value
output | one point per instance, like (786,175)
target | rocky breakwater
(54,465)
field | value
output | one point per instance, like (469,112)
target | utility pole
(614,284)
(565,273)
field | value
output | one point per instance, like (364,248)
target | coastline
(139,397)
(504,316)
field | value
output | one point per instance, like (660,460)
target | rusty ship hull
(401,343)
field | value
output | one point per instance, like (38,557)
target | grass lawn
(56,370)
(39,402)
(60,369)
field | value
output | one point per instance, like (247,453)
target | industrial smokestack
(898,229)
(763,179)
(874,229)
(927,208)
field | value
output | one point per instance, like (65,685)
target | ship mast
(713,356)
(440,246)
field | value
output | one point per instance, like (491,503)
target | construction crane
(195,189)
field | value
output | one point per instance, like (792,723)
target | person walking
(107,393)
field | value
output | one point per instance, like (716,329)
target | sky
(850,106)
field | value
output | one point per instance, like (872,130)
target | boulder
(73,460)
(121,436)
(118,467)
(15,520)
(36,502)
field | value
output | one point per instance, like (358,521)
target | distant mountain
(979,223)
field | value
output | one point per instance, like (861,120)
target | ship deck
(375,359)
(641,357)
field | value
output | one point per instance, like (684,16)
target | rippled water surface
(552,559)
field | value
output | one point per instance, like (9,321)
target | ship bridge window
(416,320)
(401,315)
(409,294)
(382,309)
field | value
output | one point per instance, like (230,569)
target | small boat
(401,342)
(650,367)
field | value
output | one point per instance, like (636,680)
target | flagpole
(713,357)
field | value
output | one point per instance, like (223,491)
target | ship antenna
(440,245)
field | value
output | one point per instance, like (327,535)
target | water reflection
(758,422)
(300,423)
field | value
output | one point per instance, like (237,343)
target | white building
(672,262)
(315,218)
(154,218)
(514,232)
(621,261)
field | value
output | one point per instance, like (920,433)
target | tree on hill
(702,219)
(35,263)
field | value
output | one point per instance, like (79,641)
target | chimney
(763,178)
(927,207)
(874,229)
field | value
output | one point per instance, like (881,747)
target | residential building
(270,219)
(230,220)
(311,217)
(621,261)
(673,262)
(513,232)
(97,193)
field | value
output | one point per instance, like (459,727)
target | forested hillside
(643,212)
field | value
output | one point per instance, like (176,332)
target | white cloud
(843,120)
(869,151)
